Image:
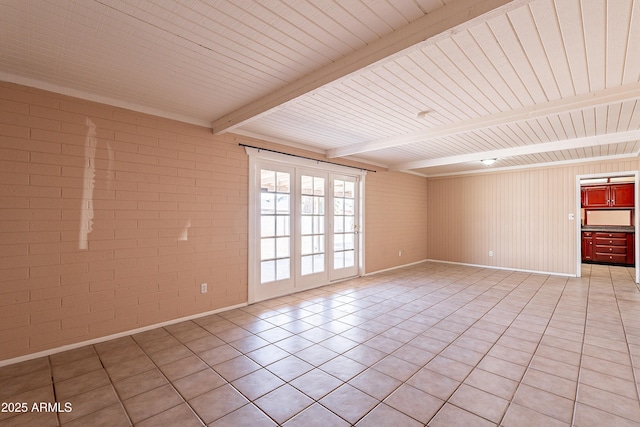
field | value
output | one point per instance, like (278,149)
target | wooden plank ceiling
(429,86)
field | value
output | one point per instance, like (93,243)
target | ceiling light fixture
(488,162)
(422,114)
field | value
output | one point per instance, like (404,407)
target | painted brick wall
(395,220)
(111,219)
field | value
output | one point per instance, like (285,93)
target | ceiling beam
(577,102)
(545,147)
(456,15)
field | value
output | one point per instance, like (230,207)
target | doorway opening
(305,224)
(604,208)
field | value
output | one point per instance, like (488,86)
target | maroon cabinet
(596,196)
(608,247)
(587,246)
(608,196)
(622,195)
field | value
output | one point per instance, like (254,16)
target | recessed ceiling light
(488,162)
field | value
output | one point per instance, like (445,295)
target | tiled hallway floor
(432,344)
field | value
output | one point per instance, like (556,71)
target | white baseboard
(472,265)
(114,336)
(395,268)
(503,268)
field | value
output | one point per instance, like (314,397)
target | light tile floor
(432,344)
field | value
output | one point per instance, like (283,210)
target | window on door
(344,223)
(312,225)
(275,225)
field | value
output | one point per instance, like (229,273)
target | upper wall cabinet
(608,196)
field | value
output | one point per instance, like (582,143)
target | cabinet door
(622,195)
(587,247)
(596,196)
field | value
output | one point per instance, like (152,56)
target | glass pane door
(275,226)
(312,258)
(345,227)
(303,228)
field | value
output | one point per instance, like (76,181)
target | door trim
(257,156)
(635,219)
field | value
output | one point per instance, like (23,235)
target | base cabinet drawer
(611,249)
(611,241)
(601,234)
(613,258)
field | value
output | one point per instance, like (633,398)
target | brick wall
(111,219)
(395,220)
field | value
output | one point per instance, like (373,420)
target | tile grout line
(447,346)
(120,402)
(169,382)
(611,285)
(441,301)
(53,386)
(533,292)
(492,345)
(227,382)
(626,339)
(468,327)
(251,401)
(528,367)
(584,336)
(380,402)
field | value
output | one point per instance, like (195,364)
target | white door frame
(635,218)
(345,272)
(256,156)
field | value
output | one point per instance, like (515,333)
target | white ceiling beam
(578,102)
(456,15)
(545,147)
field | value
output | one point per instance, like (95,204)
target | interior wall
(521,215)
(396,230)
(110,220)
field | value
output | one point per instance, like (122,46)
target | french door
(305,229)
(344,225)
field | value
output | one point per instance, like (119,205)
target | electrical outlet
(399,253)
(490,253)
(203,288)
